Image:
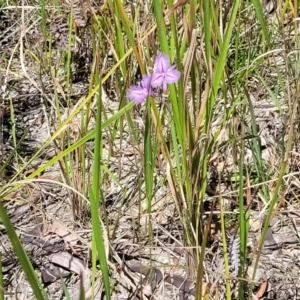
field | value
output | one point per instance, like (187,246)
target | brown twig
(175,6)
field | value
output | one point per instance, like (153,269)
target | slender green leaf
(96,196)
(31,276)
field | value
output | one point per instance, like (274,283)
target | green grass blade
(129,33)
(148,158)
(31,276)
(66,292)
(96,196)
(207,32)
(262,21)
(223,54)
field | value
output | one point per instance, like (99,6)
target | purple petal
(172,75)
(157,79)
(137,93)
(161,63)
(146,82)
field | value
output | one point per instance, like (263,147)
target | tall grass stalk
(96,196)
(23,258)
(259,14)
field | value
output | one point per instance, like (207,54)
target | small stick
(175,6)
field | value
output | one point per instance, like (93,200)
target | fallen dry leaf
(63,232)
(205,288)
(262,289)
(69,262)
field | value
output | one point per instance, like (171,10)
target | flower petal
(172,75)
(161,63)
(157,79)
(146,82)
(137,93)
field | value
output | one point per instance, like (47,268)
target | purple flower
(163,72)
(139,93)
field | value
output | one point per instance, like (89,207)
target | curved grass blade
(262,21)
